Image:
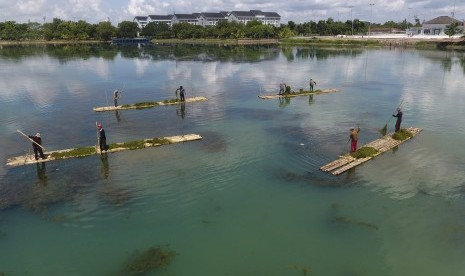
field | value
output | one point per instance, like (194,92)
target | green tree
(291,25)
(105,31)
(452,29)
(286,33)
(157,30)
(127,29)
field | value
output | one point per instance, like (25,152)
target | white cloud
(296,10)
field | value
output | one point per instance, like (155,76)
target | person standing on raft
(282,88)
(399,118)
(37,146)
(354,139)
(102,138)
(311,83)
(116,97)
(181,93)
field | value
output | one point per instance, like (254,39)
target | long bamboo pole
(30,139)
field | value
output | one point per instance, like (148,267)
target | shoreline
(403,41)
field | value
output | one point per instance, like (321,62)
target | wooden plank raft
(147,104)
(30,159)
(303,93)
(383,144)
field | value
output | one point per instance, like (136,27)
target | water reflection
(311,100)
(41,173)
(118,116)
(181,110)
(284,101)
(105,167)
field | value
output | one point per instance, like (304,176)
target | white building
(186,18)
(267,18)
(168,19)
(141,21)
(212,18)
(438,25)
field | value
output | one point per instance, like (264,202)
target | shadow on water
(51,186)
(109,192)
(213,142)
(254,114)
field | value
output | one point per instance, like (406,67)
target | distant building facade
(185,18)
(436,26)
(267,18)
(167,19)
(212,18)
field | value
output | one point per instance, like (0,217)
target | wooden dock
(346,162)
(30,159)
(297,94)
(147,104)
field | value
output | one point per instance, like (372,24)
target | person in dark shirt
(181,93)
(399,118)
(102,138)
(37,146)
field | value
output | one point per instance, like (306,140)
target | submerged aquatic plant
(364,152)
(346,220)
(155,257)
(402,134)
(83,151)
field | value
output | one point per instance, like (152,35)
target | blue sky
(94,11)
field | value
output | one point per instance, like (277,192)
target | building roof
(185,16)
(271,14)
(242,13)
(255,13)
(213,15)
(140,18)
(442,20)
(161,17)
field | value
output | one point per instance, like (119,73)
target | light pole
(352,19)
(371,19)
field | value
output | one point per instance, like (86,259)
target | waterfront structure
(438,25)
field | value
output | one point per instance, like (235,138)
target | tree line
(60,29)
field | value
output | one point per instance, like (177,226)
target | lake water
(248,199)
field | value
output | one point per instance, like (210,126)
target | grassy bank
(50,42)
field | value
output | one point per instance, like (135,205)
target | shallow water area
(248,199)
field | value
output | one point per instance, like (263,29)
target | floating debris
(304,270)
(153,258)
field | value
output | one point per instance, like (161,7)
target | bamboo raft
(147,105)
(30,159)
(346,162)
(303,93)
